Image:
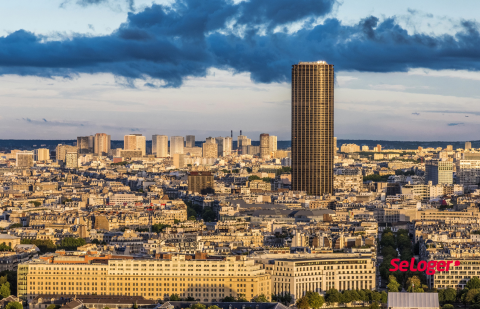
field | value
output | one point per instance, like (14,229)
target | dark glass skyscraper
(312,127)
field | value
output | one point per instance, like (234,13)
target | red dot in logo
(457,263)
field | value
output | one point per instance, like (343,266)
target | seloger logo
(429,267)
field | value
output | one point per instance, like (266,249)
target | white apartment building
(319,274)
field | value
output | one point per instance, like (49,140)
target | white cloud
(446,73)
(343,80)
(389,87)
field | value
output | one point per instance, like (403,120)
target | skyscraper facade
(220,146)
(71,160)
(190,142)
(42,154)
(176,145)
(273,143)
(84,144)
(210,148)
(102,144)
(61,152)
(438,172)
(228,146)
(243,141)
(160,146)
(312,127)
(264,145)
(24,159)
(135,142)
(468,145)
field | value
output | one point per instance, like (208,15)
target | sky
(405,70)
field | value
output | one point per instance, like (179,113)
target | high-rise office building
(101,144)
(176,145)
(42,154)
(264,146)
(190,142)
(24,159)
(160,146)
(210,148)
(468,145)
(201,182)
(85,144)
(220,146)
(449,148)
(468,169)
(243,141)
(71,160)
(312,127)
(438,172)
(228,146)
(273,143)
(62,150)
(135,142)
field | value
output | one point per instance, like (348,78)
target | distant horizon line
(338,139)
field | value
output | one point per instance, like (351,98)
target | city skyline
(414,99)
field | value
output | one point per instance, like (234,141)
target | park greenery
(470,295)
(313,300)
(120,163)
(376,178)
(156,228)
(35,203)
(391,244)
(283,170)
(14,305)
(4,247)
(68,244)
(8,283)
(206,213)
(285,299)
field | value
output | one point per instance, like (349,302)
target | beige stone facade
(204,279)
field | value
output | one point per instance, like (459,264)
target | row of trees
(313,300)
(4,247)
(229,299)
(366,296)
(68,243)
(156,228)
(310,300)
(391,245)
(469,295)
(255,177)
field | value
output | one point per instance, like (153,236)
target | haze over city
(404,71)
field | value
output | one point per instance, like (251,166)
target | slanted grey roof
(7,236)
(412,300)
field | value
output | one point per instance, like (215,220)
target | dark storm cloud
(170,43)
